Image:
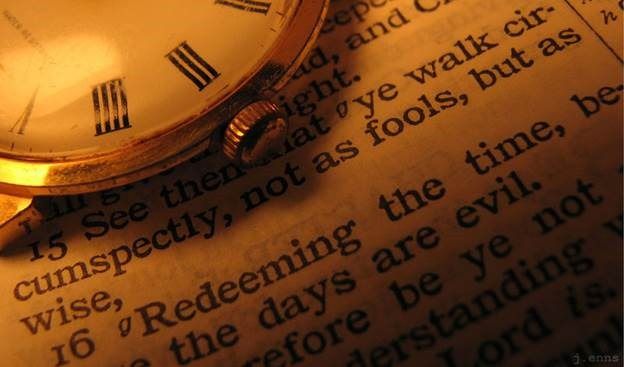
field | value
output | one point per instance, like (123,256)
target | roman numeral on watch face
(253,6)
(111,107)
(189,63)
(20,124)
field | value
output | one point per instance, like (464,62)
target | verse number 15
(57,248)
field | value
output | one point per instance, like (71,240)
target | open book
(450,194)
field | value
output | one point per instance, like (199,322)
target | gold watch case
(23,178)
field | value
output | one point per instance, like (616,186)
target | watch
(95,95)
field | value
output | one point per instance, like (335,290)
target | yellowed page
(450,195)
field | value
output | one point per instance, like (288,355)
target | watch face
(82,77)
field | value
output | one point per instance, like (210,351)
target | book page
(450,194)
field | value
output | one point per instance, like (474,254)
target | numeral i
(20,124)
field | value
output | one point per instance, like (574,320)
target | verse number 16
(80,346)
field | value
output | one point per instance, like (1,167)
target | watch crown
(257,130)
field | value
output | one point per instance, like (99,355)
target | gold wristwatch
(96,95)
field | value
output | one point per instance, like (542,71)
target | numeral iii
(192,65)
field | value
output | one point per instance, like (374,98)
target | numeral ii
(253,6)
